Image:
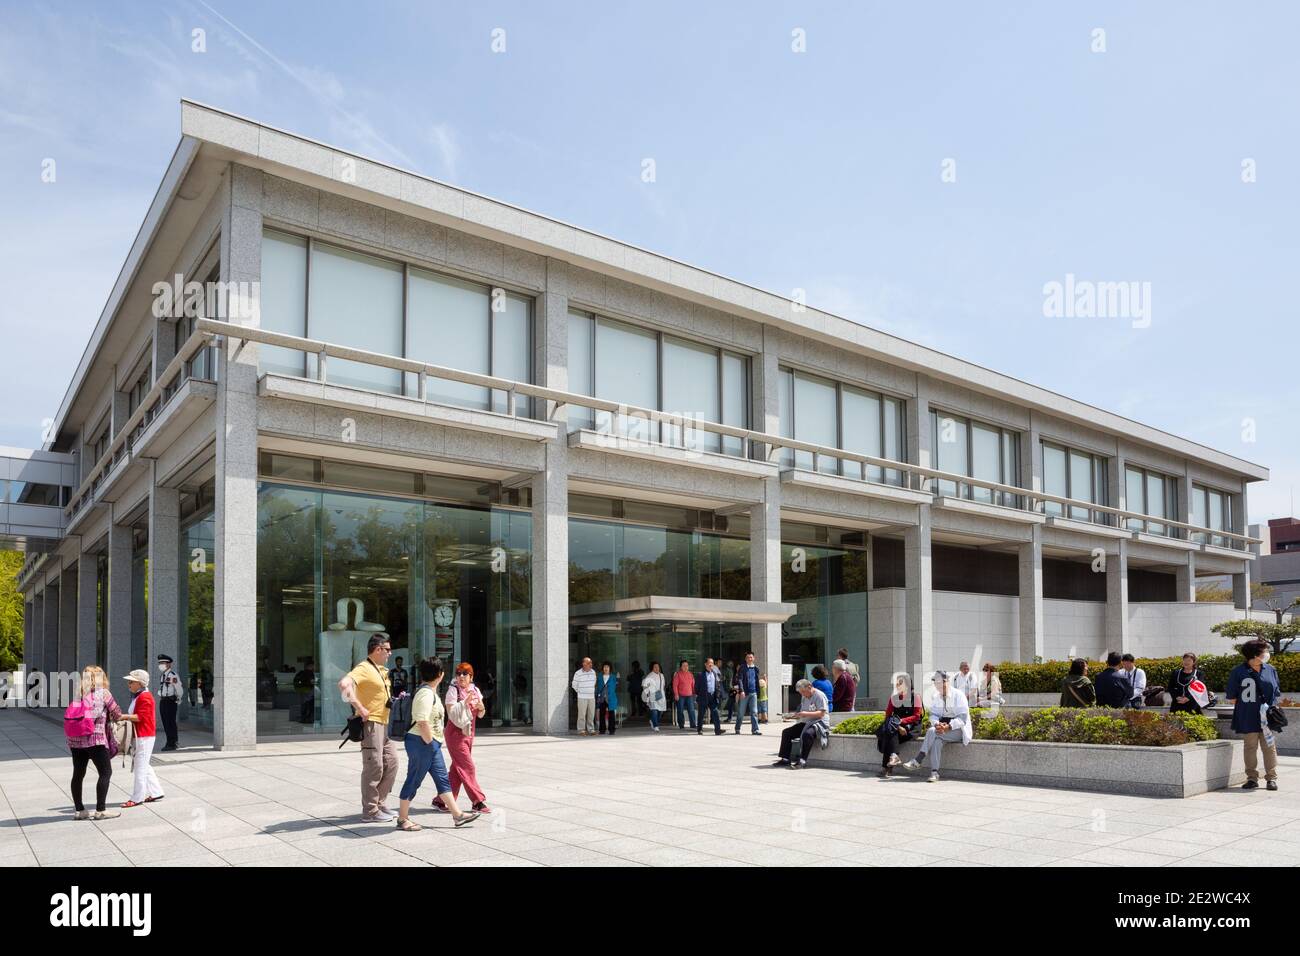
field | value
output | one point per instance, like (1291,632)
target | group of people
(698,697)
(97,729)
(1121,684)
(438,722)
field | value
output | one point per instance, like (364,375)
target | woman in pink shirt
(464,699)
(684,691)
(93,747)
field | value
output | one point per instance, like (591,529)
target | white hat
(139,676)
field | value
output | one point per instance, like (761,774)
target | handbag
(354,731)
(399,720)
(1276,718)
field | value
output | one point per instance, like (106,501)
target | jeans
(81,758)
(686,704)
(748,702)
(421,759)
(654,717)
(709,711)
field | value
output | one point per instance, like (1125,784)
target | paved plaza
(637,799)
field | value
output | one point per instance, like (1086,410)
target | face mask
(162,668)
(1267,655)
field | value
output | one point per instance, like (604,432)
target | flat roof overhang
(680,610)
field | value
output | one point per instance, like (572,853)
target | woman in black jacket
(1181,699)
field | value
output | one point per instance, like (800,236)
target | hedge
(1045,678)
(1098,725)
(867,724)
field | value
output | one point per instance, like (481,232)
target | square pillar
(234,599)
(87,609)
(68,660)
(920,443)
(552,668)
(164,576)
(1185,579)
(1117,631)
(920,597)
(1241,590)
(765,585)
(34,659)
(119,663)
(1031,596)
(50,641)
(29,619)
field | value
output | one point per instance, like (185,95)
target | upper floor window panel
(1211,508)
(990,453)
(337,295)
(1153,494)
(639,367)
(822,412)
(1069,473)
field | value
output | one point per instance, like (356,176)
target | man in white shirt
(1137,677)
(584,685)
(966,681)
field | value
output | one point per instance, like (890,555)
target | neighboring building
(255,501)
(1277,563)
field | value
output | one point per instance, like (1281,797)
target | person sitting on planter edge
(1252,688)
(812,724)
(902,721)
(1181,697)
(949,723)
(1077,689)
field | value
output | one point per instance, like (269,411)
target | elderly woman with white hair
(949,723)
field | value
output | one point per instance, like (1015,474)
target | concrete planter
(1182,771)
(1288,741)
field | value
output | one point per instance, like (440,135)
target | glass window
(786,412)
(581,380)
(283,299)
(735,399)
(1081,484)
(447,324)
(627,371)
(986,459)
(816,419)
(893,449)
(862,421)
(691,388)
(1216,516)
(1055,479)
(356,300)
(1156,501)
(1135,496)
(511,349)
(1197,516)
(950,449)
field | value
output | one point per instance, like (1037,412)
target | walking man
(708,685)
(746,689)
(366,687)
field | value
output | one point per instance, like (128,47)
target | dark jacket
(1113,688)
(702,686)
(746,680)
(1077,691)
(1176,687)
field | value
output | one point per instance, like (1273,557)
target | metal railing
(754,445)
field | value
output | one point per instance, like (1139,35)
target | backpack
(78,719)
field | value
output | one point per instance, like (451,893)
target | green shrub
(1097,725)
(867,724)
(1046,678)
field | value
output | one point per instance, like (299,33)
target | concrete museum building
(501,438)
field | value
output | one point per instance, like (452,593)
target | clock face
(443,615)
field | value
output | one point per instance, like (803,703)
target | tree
(11,611)
(1261,593)
(1279,636)
(1213,592)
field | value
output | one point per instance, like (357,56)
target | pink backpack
(78,719)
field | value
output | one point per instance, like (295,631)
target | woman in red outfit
(147,789)
(902,720)
(464,708)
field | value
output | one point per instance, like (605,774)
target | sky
(924,168)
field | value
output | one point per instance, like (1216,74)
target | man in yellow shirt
(366,687)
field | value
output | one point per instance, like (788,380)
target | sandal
(408,826)
(131,803)
(153,799)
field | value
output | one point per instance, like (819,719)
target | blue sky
(818,170)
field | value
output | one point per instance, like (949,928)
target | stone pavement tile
(627,846)
(678,856)
(1075,861)
(186,860)
(1181,847)
(1086,836)
(297,862)
(893,856)
(26,858)
(1122,856)
(566,855)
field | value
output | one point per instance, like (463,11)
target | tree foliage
(11,611)
(1279,636)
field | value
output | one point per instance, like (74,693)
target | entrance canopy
(661,609)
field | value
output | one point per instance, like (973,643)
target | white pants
(934,744)
(146,781)
(586,715)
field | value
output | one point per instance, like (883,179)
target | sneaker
(799,766)
(467,818)
(1271,785)
(780,763)
(894,760)
(718,733)
(481,807)
(655,729)
(106,815)
(934,776)
(1250,785)
(81,815)
(912,765)
(439,806)
(755,733)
